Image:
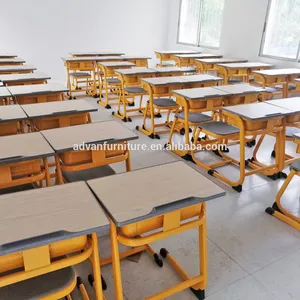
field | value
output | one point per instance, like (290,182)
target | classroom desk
(111,137)
(11,61)
(24,79)
(37,93)
(240,70)
(81,75)
(8,55)
(292,122)
(162,87)
(49,229)
(130,88)
(139,61)
(58,114)
(17,69)
(174,71)
(109,80)
(187,60)
(277,77)
(100,53)
(23,160)
(178,193)
(4,95)
(211,64)
(248,120)
(165,55)
(194,101)
(10,117)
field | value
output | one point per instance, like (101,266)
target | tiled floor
(252,256)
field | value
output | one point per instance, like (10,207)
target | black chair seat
(39,287)
(291,131)
(80,74)
(195,117)
(15,189)
(164,102)
(219,128)
(88,174)
(113,80)
(135,90)
(296,166)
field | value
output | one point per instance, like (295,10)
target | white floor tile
(282,277)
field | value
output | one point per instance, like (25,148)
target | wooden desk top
(8,55)
(161,81)
(168,187)
(174,69)
(257,111)
(135,57)
(248,65)
(59,108)
(116,64)
(20,147)
(200,93)
(292,104)
(63,139)
(221,60)
(4,92)
(278,72)
(42,216)
(17,68)
(198,55)
(80,58)
(99,53)
(35,89)
(11,113)
(135,71)
(12,60)
(177,51)
(237,89)
(24,77)
(200,78)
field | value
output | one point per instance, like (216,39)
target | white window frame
(297,59)
(199,31)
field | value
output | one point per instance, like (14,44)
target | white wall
(43,31)
(241,33)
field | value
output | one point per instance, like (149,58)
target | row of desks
(67,213)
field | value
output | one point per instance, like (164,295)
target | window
(200,22)
(281,37)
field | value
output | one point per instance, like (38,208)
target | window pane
(189,21)
(211,23)
(282,34)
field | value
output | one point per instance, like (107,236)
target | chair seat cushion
(195,117)
(135,90)
(291,87)
(19,188)
(88,174)
(219,128)
(164,102)
(235,81)
(291,131)
(296,166)
(113,80)
(39,287)
(80,74)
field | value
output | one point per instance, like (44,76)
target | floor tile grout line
(227,255)
(264,287)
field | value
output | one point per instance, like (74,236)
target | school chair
(277,210)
